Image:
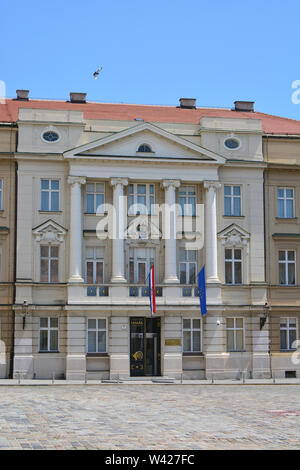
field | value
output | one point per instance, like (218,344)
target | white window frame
(49,258)
(234,261)
(187,263)
(48,329)
(94,260)
(133,206)
(191,329)
(235,329)
(187,210)
(286,261)
(50,191)
(232,197)
(97,330)
(285,198)
(94,193)
(148,260)
(287,329)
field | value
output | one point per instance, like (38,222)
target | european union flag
(202,291)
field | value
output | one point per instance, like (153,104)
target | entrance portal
(144,346)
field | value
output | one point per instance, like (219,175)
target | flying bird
(95,74)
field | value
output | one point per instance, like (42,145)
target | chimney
(77,97)
(22,95)
(187,103)
(244,106)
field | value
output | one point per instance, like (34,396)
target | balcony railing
(100,291)
(138,290)
(143,291)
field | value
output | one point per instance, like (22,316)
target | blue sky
(154,52)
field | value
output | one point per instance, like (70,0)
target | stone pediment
(142,229)
(162,143)
(234,236)
(49,232)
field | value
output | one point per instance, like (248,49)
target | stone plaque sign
(173,342)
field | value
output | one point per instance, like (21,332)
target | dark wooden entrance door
(144,346)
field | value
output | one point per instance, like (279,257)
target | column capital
(212,184)
(166,184)
(76,179)
(116,181)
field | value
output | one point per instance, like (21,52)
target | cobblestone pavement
(150,417)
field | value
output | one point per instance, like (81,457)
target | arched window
(144,148)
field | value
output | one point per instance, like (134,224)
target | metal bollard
(53,377)
(212,378)
(85,380)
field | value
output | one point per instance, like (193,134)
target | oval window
(231,143)
(50,136)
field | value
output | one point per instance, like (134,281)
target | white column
(75,253)
(119,217)
(211,242)
(169,230)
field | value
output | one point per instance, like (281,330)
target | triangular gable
(141,228)
(234,235)
(50,232)
(111,145)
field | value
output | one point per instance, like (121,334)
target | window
(1,194)
(49,195)
(187,266)
(285,202)
(187,200)
(96,332)
(232,200)
(287,267)
(191,335)
(232,144)
(48,337)
(50,136)
(140,262)
(94,262)
(95,198)
(288,333)
(141,199)
(49,263)
(235,334)
(233,266)
(144,148)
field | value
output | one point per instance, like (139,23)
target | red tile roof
(129,112)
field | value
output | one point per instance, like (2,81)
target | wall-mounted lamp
(263,319)
(25,312)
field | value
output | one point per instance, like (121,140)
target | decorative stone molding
(234,237)
(76,180)
(116,181)
(212,184)
(50,232)
(142,229)
(166,184)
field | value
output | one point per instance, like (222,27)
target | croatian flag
(152,291)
